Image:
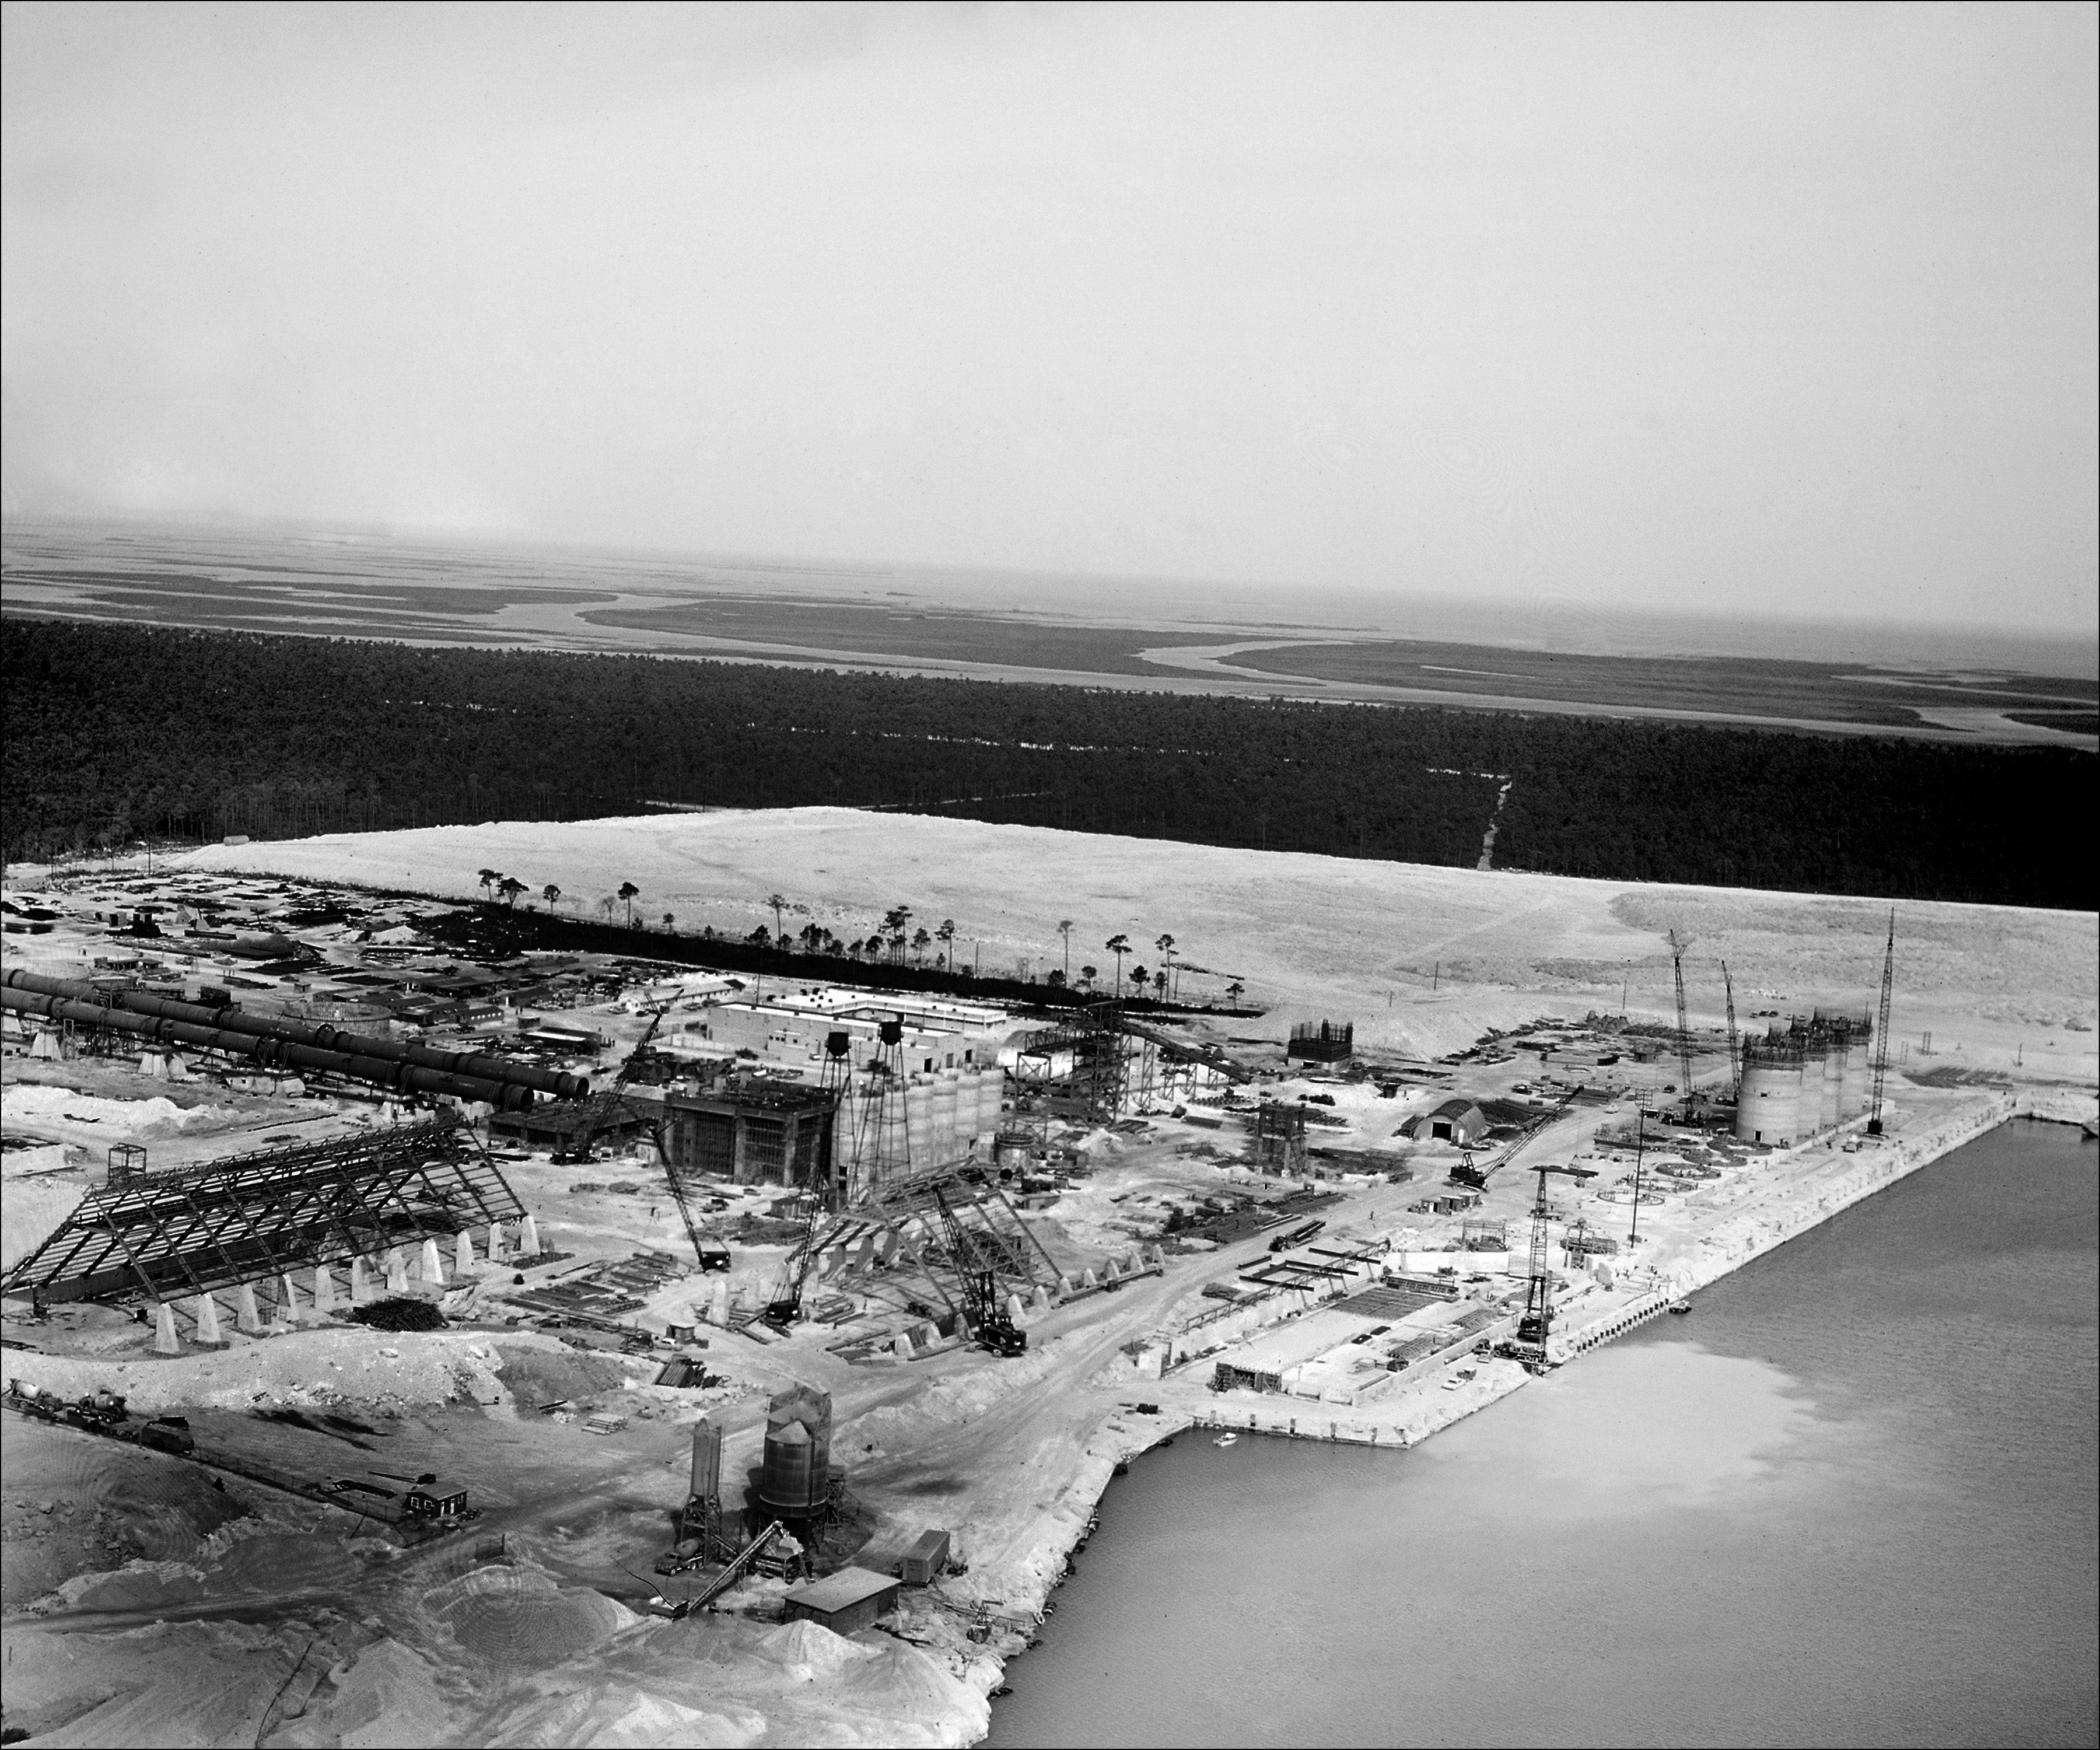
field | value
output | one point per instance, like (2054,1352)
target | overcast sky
(1740,309)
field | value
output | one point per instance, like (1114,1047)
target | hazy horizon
(1734,314)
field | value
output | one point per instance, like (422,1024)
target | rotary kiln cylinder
(707,1461)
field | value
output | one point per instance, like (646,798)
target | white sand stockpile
(668,1684)
(303,1370)
(1326,935)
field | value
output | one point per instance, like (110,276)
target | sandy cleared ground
(145,1603)
(1311,937)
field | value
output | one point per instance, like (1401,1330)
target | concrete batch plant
(1806,1077)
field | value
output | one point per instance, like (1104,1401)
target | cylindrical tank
(322,1035)
(987,1089)
(1834,1081)
(946,1145)
(268,1049)
(916,1128)
(1768,1109)
(707,1461)
(795,1474)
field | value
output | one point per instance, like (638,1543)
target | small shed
(844,1602)
(926,1560)
(435,1501)
(1455,1120)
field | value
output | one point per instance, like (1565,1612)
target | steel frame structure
(250,1217)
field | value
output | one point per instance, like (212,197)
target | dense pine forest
(118,733)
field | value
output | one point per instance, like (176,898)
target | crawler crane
(995,1330)
(1533,1328)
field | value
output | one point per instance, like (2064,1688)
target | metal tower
(1683,1027)
(1881,1027)
(1735,1054)
(1537,1322)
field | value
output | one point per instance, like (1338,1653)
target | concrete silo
(1769,1108)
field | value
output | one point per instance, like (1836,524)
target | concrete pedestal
(324,1288)
(207,1320)
(432,1266)
(397,1271)
(165,1341)
(463,1253)
(246,1314)
(528,1238)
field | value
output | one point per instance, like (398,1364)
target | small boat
(1226,1440)
(1680,1306)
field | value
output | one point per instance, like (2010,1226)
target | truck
(1296,1236)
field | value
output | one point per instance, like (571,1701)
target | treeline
(118,733)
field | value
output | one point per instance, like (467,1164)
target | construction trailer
(926,1559)
(247,1220)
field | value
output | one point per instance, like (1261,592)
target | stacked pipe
(385,1063)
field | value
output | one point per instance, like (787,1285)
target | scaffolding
(249,1218)
(1279,1139)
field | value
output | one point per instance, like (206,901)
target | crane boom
(1537,1322)
(1881,1027)
(1735,1054)
(693,1235)
(1475,1178)
(1684,1026)
(995,1330)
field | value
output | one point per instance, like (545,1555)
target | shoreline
(1112,1444)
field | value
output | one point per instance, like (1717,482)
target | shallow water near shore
(1852,1500)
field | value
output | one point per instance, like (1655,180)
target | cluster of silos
(887,1123)
(1810,1075)
(795,1476)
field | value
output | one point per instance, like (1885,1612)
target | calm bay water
(1852,1500)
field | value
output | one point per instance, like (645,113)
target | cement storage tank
(795,1474)
(707,1461)
(947,1144)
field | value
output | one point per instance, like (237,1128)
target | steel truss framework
(906,1215)
(252,1217)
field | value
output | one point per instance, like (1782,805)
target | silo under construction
(1768,1110)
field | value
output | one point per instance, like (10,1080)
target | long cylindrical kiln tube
(380,1072)
(323,1034)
